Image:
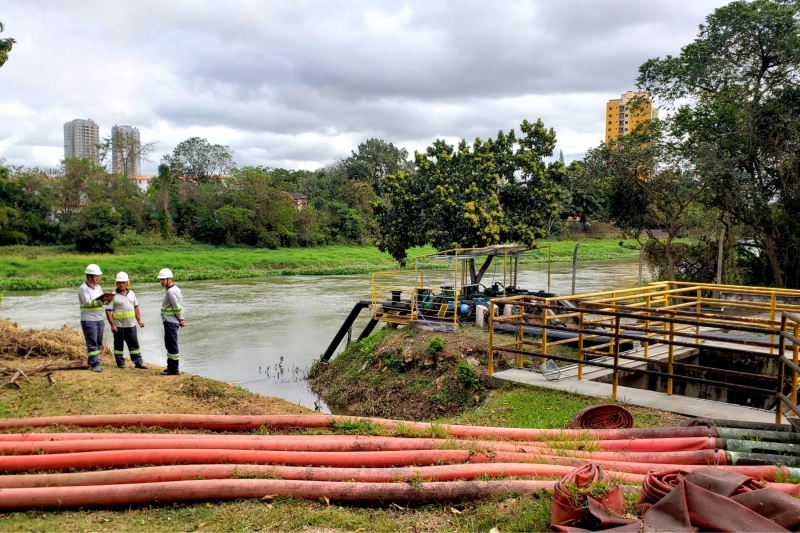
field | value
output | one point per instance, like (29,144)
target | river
(263,333)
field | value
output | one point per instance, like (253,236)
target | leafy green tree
(494,191)
(5,47)
(95,228)
(198,160)
(374,159)
(740,78)
(29,194)
(647,186)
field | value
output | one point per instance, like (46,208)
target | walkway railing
(612,325)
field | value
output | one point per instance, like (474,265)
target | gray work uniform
(123,309)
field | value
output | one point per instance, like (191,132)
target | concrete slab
(682,405)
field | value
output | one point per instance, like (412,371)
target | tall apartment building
(81,138)
(125,155)
(621,119)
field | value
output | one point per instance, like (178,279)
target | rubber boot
(120,360)
(138,362)
(172,368)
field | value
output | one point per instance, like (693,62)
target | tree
(5,47)
(649,187)
(378,159)
(738,74)
(95,228)
(494,191)
(198,160)
(126,150)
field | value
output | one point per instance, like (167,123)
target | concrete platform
(682,405)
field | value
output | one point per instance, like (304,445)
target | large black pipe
(368,329)
(363,304)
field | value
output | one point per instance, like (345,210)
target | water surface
(262,333)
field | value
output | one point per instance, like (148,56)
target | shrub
(436,344)
(95,228)
(464,370)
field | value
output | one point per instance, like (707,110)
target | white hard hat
(165,273)
(122,276)
(93,270)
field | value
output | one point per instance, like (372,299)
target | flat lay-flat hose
(606,416)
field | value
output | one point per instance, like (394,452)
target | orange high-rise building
(621,120)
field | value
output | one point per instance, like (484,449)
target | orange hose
(154,474)
(632,445)
(322,443)
(250,423)
(231,489)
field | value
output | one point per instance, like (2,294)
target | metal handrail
(659,328)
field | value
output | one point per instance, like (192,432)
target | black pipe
(337,339)
(367,330)
(739,424)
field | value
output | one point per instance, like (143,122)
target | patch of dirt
(405,374)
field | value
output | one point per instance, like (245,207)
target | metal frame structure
(670,314)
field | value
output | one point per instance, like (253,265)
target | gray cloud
(298,83)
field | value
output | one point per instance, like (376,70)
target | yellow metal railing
(673,328)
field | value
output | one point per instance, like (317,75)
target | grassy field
(49,267)
(129,390)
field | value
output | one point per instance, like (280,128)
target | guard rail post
(520,335)
(781,370)
(646,325)
(580,345)
(772,304)
(699,310)
(490,363)
(671,359)
(617,320)
(544,333)
(795,351)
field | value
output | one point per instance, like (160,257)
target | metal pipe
(337,339)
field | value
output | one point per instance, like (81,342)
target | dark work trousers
(171,344)
(93,333)
(127,336)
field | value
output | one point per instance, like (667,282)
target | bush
(95,228)
(436,344)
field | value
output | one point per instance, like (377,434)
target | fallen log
(48,367)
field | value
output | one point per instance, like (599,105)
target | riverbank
(51,267)
(133,391)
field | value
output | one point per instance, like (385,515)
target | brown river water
(263,333)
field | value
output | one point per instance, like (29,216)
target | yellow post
(795,350)
(671,354)
(646,325)
(616,359)
(490,365)
(520,336)
(772,305)
(781,371)
(544,335)
(549,256)
(580,346)
(699,310)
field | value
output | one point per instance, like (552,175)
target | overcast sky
(297,84)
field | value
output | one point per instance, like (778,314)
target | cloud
(298,83)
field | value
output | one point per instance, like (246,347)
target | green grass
(50,267)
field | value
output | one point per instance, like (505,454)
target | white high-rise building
(125,155)
(81,138)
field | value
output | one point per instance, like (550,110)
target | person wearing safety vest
(123,317)
(172,317)
(90,297)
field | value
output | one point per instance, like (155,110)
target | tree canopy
(5,46)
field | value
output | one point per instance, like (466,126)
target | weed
(436,344)
(464,370)
(356,427)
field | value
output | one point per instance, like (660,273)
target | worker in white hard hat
(172,317)
(123,317)
(90,296)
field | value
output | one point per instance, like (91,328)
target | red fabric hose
(154,474)
(122,458)
(339,443)
(250,423)
(13,441)
(232,489)
(606,416)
